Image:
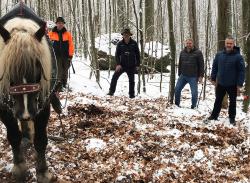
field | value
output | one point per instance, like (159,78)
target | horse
(25,74)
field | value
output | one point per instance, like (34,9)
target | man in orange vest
(62,42)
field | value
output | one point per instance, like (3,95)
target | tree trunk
(208,27)
(224,22)
(114,15)
(94,62)
(105,17)
(142,49)
(193,21)
(149,20)
(181,24)
(110,29)
(84,29)
(172,52)
(128,14)
(121,14)
(246,50)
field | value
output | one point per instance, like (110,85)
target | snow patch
(94,143)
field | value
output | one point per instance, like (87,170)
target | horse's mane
(21,53)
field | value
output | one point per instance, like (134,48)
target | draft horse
(25,73)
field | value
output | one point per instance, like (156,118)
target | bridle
(22,89)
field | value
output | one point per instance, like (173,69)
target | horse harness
(24,89)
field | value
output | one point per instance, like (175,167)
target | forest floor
(122,140)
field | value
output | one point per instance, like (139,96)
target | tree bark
(193,22)
(149,20)
(224,22)
(246,50)
(172,52)
(208,27)
(94,62)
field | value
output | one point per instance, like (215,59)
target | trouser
(220,93)
(131,77)
(62,70)
(182,81)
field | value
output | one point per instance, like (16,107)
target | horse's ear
(4,33)
(41,32)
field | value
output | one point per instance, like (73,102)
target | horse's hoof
(46,177)
(19,172)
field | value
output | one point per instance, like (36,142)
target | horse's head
(27,67)
(25,93)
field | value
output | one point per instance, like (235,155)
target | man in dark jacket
(64,49)
(228,75)
(127,59)
(190,70)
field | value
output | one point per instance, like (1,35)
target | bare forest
(101,138)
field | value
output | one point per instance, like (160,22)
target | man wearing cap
(127,58)
(64,49)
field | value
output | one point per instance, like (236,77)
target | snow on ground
(152,48)
(146,139)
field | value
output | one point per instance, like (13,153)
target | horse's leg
(40,143)
(14,137)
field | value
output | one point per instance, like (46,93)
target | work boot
(211,118)
(131,96)
(110,93)
(232,121)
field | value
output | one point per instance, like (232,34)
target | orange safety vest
(64,47)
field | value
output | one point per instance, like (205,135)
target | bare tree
(84,29)
(207,49)
(142,47)
(246,32)
(172,51)
(224,21)
(149,20)
(193,22)
(94,62)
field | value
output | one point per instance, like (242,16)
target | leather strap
(24,89)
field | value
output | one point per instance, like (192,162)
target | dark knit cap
(60,19)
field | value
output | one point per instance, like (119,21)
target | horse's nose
(24,116)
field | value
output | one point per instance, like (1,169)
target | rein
(24,89)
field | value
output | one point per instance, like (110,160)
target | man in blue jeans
(190,70)
(228,76)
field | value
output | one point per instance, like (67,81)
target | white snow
(94,143)
(151,48)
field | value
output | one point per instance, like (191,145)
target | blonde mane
(21,53)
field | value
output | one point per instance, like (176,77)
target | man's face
(126,36)
(229,44)
(189,44)
(59,25)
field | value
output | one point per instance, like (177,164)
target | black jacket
(191,63)
(127,55)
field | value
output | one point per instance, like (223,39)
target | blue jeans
(182,81)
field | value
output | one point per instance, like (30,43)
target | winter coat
(62,43)
(229,68)
(191,63)
(127,55)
